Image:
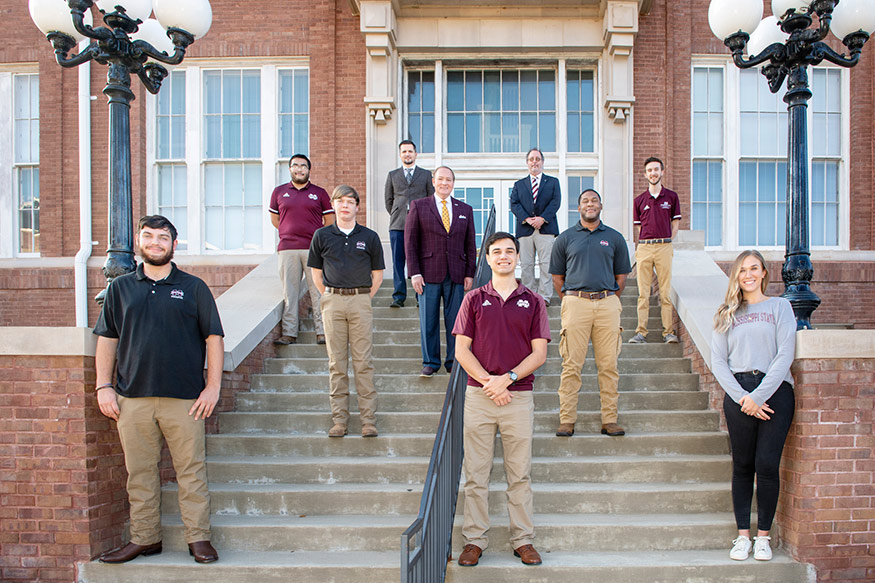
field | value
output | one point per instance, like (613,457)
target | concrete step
(410,336)
(404,445)
(433,401)
(413,383)
(294,422)
(382,310)
(255,470)
(393,499)
(235,566)
(496,566)
(628,320)
(414,351)
(409,365)
(558,532)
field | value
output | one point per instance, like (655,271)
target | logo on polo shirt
(312,196)
(487,303)
(665,205)
(605,243)
(647,207)
(286,195)
(523,303)
(360,245)
(177,294)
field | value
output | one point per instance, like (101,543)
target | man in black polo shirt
(347,264)
(159,323)
(589,263)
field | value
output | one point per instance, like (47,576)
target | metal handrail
(426,545)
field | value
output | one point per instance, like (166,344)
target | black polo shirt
(162,328)
(346,260)
(589,260)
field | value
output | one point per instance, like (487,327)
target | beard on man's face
(159,260)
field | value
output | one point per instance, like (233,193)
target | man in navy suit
(403,186)
(441,257)
(534,201)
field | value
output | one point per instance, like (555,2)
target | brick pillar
(826,512)
(62,477)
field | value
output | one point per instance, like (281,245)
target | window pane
(547,127)
(700,134)
(427,142)
(528,130)
(472,133)
(587,91)
(231,87)
(302,91)
(715,181)
(177,136)
(510,91)
(510,125)
(574,132)
(492,91)
(473,91)
(302,134)
(251,136)
(286,91)
(428,91)
(162,137)
(455,91)
(414,95)
(455,132)
(528,90)
(573,90)
(252,184)
(492,135)
(546,91)
(214,189)
(233,185)
(231,136)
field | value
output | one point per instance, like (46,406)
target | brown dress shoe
(320,339)
(565,430)
(470,555)
(528,555)
(613,430)
(338,430)
(129,552)
(203,552)
(283,340)
(369,430)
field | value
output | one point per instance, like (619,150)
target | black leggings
(756,450)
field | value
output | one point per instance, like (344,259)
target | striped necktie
(534,189)
(408,175)
(445,216)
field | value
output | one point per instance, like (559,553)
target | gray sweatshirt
(763,338)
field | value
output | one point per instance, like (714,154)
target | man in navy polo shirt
(297,209)
(159,323)
(502,332)
(656,213)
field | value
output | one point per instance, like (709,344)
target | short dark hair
(303,157)
(538,150)
(345,190)
(156,222)
(498,236)
(585,190)
(402,142)
(448,168)
(654,159)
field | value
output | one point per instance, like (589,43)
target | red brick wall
(827,508)
(62,479)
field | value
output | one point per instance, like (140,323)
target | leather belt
(348,291)
(652,241)
(589,295)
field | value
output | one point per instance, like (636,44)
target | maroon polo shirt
(654,215)
(300,213)
(502,331)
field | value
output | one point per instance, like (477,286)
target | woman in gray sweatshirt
(751,353)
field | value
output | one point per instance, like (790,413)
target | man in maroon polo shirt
(502,332)
(656,214)
(297,209)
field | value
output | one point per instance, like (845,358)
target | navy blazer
(431,251)
(521,205)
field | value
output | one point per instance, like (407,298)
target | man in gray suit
(534,201)
(403,186)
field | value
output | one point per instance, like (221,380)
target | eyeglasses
(296,166)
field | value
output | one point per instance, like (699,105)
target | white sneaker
(638,339)
(741,548)
(761,549)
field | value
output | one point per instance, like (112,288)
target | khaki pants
(543,246)
(584,319)
(142,423)
(293,267)
(516,422)
(349,330)
(656,256)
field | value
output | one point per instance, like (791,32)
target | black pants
(756,451)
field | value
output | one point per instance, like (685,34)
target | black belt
(652,241)
(347,291)
(751,374)
(589,295)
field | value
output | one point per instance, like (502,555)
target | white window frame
(194,157)
(9,194)
(732,154)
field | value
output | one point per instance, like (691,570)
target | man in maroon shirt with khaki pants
(501,333)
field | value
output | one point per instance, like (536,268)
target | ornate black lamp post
(788,44)
(129,43)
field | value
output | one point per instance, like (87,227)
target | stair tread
(582,487)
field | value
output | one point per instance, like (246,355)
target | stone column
(378,25)
(620,28)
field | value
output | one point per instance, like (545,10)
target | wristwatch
(513,376)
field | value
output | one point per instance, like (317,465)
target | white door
(481,195)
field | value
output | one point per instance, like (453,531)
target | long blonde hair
(734,296)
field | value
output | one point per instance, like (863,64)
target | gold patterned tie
(445,216)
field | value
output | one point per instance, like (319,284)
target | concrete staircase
(290,504)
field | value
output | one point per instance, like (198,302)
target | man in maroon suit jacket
(441,257)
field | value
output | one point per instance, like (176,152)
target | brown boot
(369,430)
(612,429)
(339,430)
(129,552)
(565,430)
